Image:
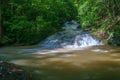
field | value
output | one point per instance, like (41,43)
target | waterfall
(85,40)
(71,36)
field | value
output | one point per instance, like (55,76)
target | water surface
(92,63)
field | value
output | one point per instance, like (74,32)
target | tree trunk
(0,26)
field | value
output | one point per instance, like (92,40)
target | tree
(0,25)
(37,19)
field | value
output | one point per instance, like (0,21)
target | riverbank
(9,71)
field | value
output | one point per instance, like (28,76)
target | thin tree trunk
(0,25)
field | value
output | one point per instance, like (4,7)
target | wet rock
(114,40)
(10,71)
(71,36)
(71,25)
(1,44)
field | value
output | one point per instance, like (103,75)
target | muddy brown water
(92,63)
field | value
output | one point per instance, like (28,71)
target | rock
(71,25)
(114,40)
(1,44)
(10,71)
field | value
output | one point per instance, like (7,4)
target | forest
(28,22)
(59,39)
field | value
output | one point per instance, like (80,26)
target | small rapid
(71,37)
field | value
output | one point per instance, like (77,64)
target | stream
(101,62)
(71,54)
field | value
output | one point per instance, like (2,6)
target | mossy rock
(10,71)
(114,39)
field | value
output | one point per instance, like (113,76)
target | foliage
(94,13)
(114,37)
(101,15)
(29,21)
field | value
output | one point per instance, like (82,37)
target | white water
(70,37)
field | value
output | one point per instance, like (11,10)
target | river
(100,62)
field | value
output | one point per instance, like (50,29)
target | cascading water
(71,37)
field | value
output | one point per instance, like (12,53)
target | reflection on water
(93,63)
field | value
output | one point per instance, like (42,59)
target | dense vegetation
(101,15)
(30,21)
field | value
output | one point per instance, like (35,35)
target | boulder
(1,44)
(114,40)
(10,71)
